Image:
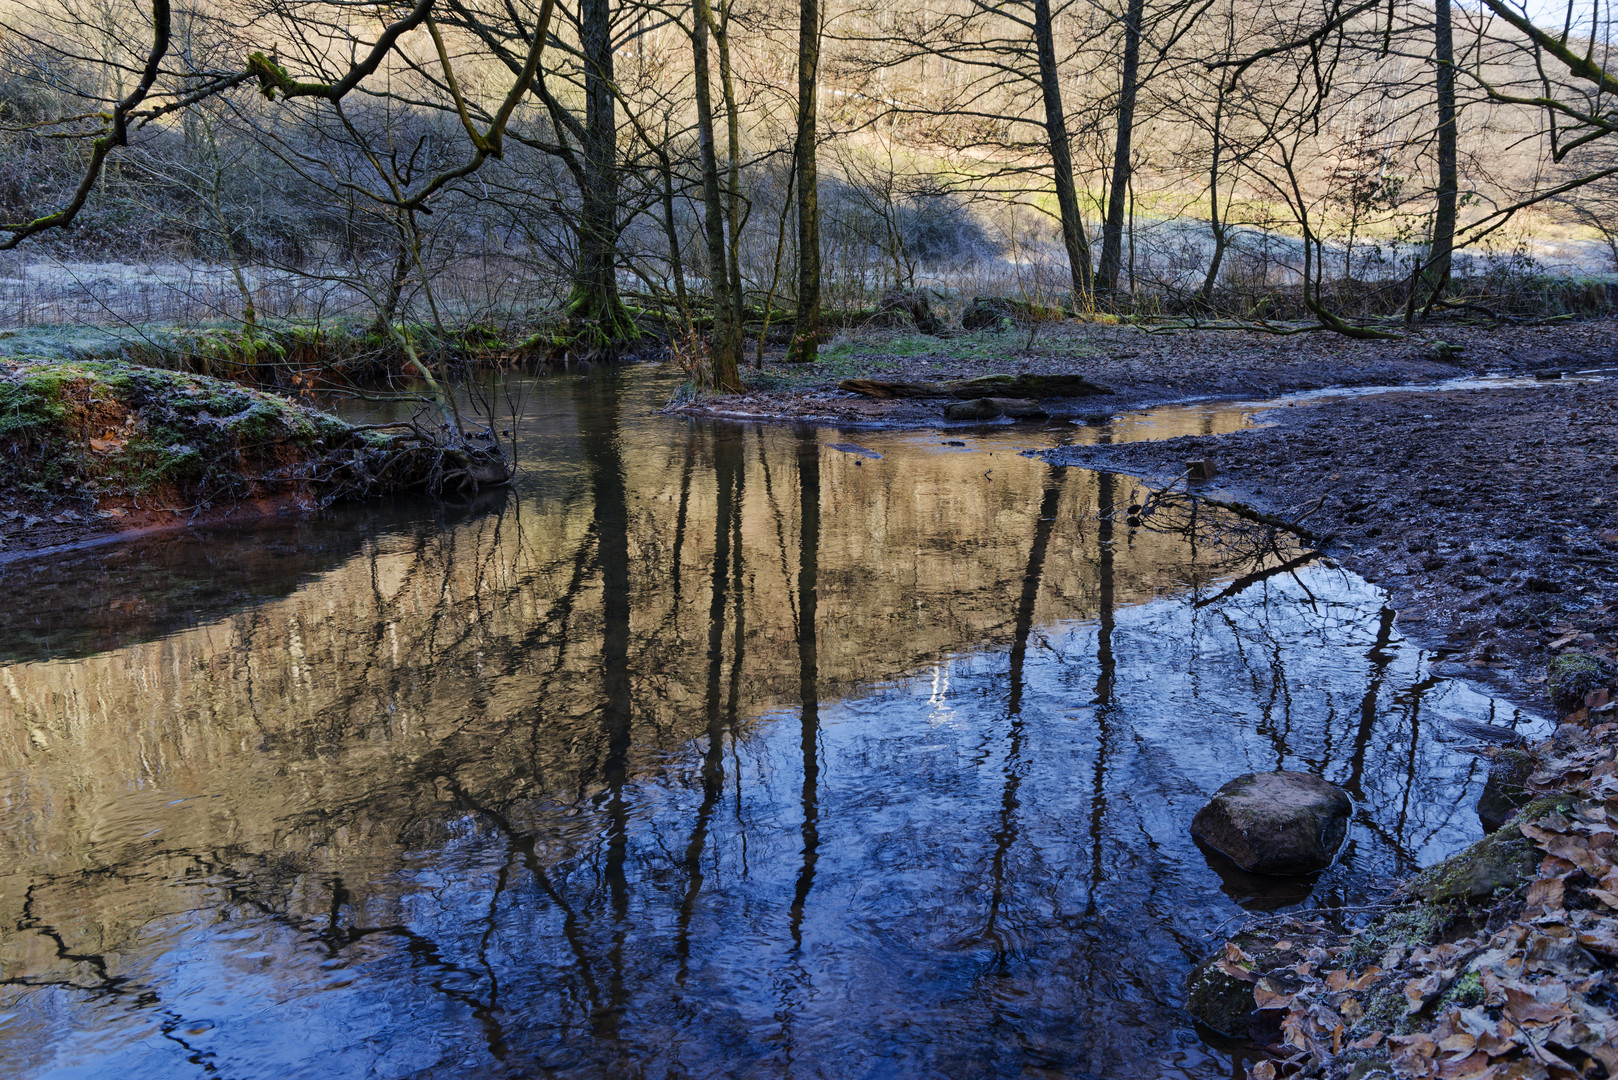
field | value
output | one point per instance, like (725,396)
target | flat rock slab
(1276,823)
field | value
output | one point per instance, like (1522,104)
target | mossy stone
(1220,1001)
(1503,860)
(1573,675)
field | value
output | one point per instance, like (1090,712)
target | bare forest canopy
(595,172)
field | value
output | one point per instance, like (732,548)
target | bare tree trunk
(733,140)
(395,290)
(1438,257)
(594,305)
(726,334)
(1112,231)
(1067,198)
(806,331)
(1217,226)
(249,308)
(672,231)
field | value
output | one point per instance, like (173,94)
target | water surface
(704,751)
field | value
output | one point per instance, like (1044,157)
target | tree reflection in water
(707,751)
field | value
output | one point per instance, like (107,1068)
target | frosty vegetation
(591,177)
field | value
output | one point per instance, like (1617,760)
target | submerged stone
(1504,792)
(1276,823)
(1219,991)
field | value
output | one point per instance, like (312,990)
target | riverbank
(93,451)
(1139,367)
(1490,516)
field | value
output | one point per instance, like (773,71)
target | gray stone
(1276,823)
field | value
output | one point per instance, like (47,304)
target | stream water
(703,751)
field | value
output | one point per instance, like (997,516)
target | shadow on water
(114,595)
(710,750)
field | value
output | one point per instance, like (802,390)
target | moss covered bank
(98,447)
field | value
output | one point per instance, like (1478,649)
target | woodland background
(597,177)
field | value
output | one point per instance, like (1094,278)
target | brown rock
(1276,823)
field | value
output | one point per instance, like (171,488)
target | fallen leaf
(1417,991)
(1467,1068)
(1367,977)
(1236,971)
(1268,997)
(1545,895)
(1460,1043)
(1418,1042)
(1527,1005)
(1601,938)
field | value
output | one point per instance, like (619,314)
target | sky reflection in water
(706,751)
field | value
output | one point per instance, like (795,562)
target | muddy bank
(1490,516)
(1143,368)
(103,449)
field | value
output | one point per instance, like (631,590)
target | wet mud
(1489,515)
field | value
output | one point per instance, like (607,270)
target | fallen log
(1036,387)
(990,408)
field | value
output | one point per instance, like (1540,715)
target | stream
(704,750)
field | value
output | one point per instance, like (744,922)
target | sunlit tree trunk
(1438,258)
(727,345)
(733,152)
(1067,198)
(1112,231)
(806,331)
(594,305)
